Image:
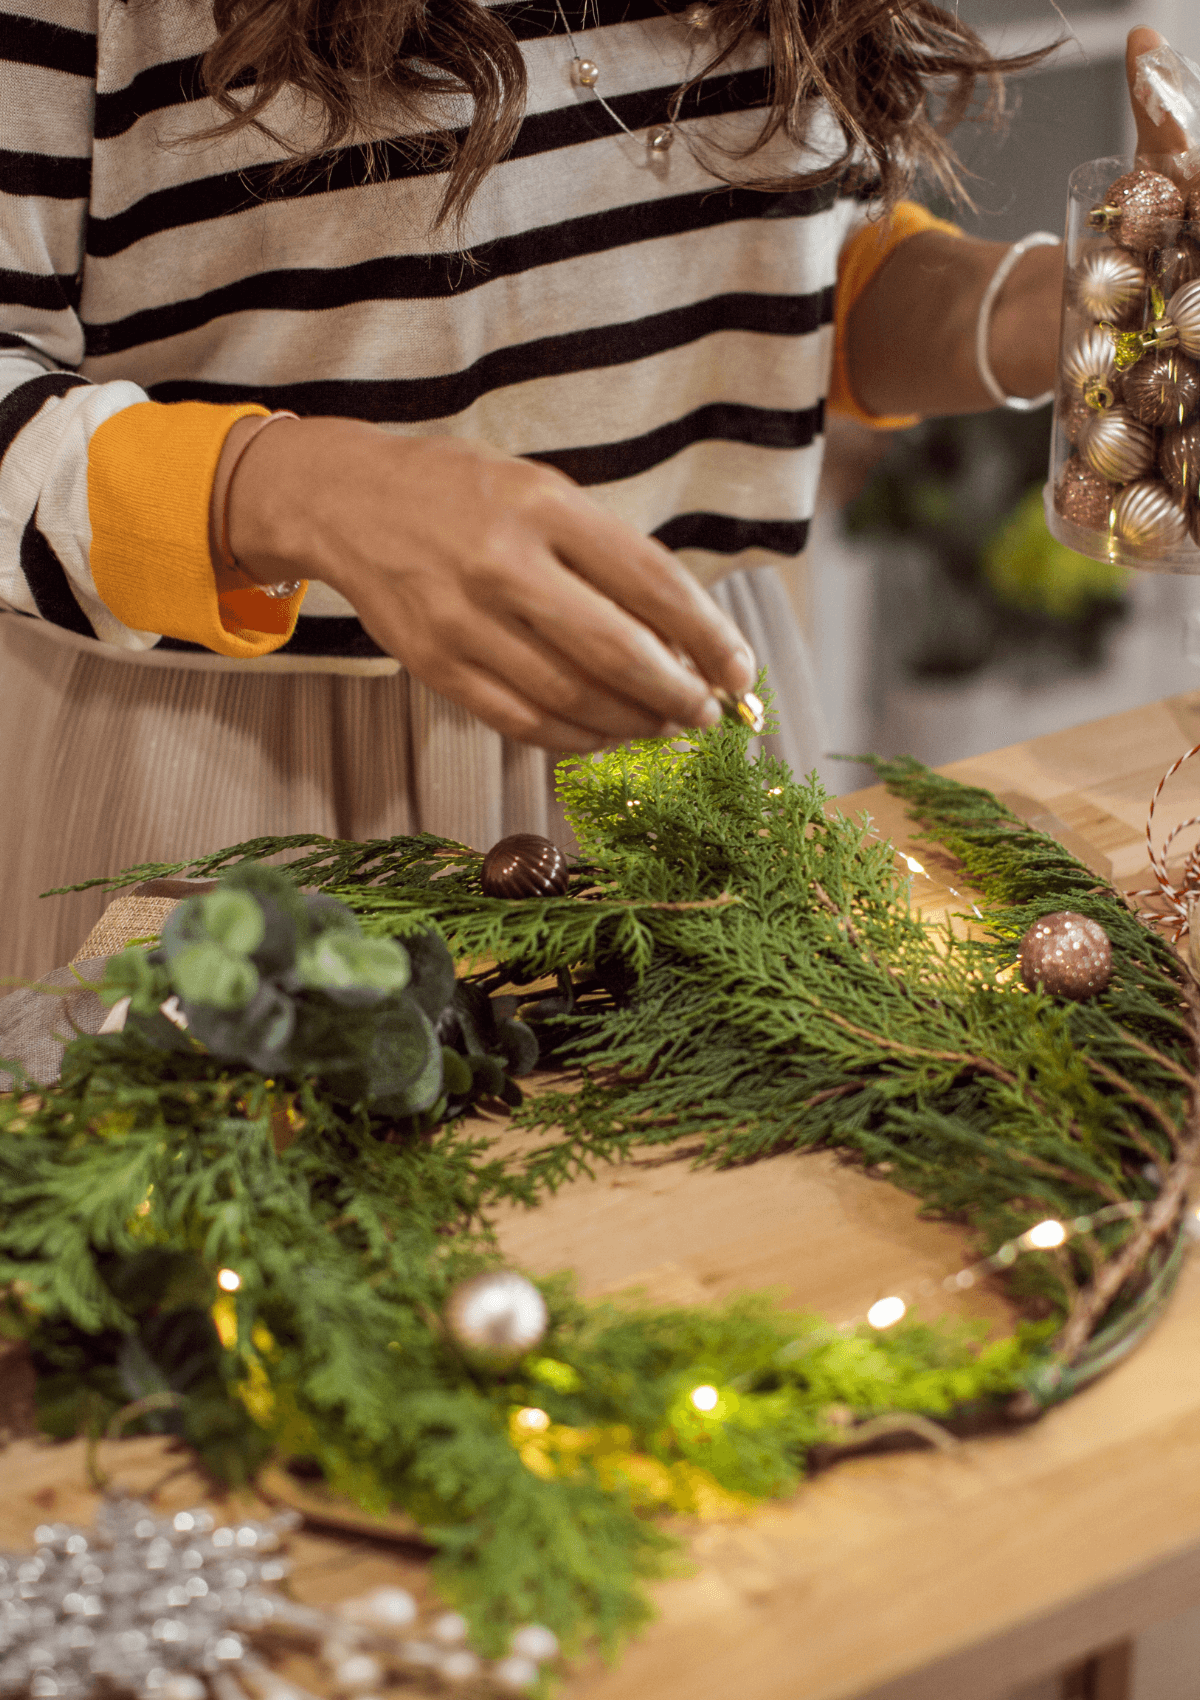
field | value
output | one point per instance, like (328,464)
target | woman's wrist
(1021,355)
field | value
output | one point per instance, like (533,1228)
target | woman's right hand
(496,581)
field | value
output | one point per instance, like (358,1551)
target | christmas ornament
(150,1606)
(1162,389)
(1082,496)
(1141,210)
(1179,460)
(1117,445)
(747,708)
(1067,955)
(1089,369)
(524,865)
(1110,284)
(1073,413)
(137,1603)
(500,1315)
(1148,516)
(1173,267)
(1176,325)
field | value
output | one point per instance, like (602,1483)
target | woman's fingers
(638,574)
(1164,137)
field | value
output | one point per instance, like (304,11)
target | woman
(552,293)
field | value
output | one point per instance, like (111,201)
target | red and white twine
(1174,895)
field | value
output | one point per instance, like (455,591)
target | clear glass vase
(1124,480)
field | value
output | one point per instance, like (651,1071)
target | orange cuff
(150,477)
(858,262)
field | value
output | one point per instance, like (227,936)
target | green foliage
(734,963)
(1028,569)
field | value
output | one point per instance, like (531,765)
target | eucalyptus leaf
(353,969)
(132,975)
(233,919)
(208,973)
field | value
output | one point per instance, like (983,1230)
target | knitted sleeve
(861,257)
(103,494)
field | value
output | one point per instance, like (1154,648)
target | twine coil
(1177,897)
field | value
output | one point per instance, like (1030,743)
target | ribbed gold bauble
(1082,496)
(1110,284)
(1089,369)
(1117,445)
(1141,210)
(1183,311)
(1179,461)
(1147,516)
(524,865)
(1162,389)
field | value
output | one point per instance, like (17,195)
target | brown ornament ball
(1067,955)
(1083,496)
(1179,460)
(524,865)
(1141,210)
(1175,266)
(1162,389)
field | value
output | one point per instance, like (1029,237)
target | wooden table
(916,1576)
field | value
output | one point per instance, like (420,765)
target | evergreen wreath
(733,962)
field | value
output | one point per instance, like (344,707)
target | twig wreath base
(736,966)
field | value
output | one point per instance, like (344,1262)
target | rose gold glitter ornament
(1073,414)
(1119,446)
(1148,516)
(1068,955)
(1141,210)
(1082,496)
(524,865)
(1179,461)
(1173,267)
(1162,389)
(1110,284)
(1089,369)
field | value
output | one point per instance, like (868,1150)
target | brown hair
(896,75)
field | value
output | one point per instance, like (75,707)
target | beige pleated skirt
(106,763)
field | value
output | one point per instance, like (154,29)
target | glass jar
(1124,479)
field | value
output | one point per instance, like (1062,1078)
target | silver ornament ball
(500,1315)
(1147,516)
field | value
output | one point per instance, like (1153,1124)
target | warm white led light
(533,1419)
(228,1280)
(914,867)
(884,1312)
(1046,1235)
(705,1398)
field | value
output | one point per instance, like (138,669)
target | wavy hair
(896,75)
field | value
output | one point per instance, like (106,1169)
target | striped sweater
(663,338)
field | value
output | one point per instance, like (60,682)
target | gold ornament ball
(1089,369)
(1183,311)
(524,865)
(1082,496)
(1162,389)
(499,1316)
(1179,461)
(1148,516)
(1141,210)
(1068,955)
(1117,445)
(1110,284)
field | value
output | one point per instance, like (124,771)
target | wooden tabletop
(915,1576)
